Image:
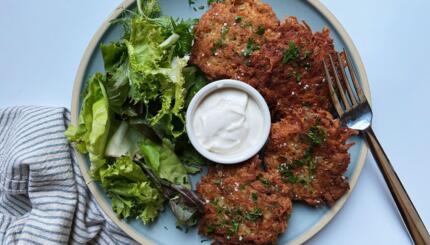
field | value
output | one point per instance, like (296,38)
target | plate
(305,221)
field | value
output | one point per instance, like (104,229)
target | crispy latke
(296,75)
(245,205)
(308,149)
(230,35)
(285,62)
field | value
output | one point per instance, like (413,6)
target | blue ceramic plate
(305,221)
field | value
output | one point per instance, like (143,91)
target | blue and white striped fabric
(43,197)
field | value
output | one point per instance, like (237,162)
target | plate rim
(106,207)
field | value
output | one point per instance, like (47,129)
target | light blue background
(42,42)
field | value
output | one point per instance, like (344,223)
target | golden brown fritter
(245,205)
(296,75)
(228,37)
(308,149)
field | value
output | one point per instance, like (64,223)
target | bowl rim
(220,85)
(106,207)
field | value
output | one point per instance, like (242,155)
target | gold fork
(355,112)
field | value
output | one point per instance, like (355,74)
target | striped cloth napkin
(43,197)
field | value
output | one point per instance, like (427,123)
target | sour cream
(227,121)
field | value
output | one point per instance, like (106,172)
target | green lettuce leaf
(176,76)
(143,45)
(184,29)
(113,54)
(161,158)
(131,191)
(117,83)
(174,89)
(125,141)
(194,81)
(90,135)
(164,162)
(156,76)
(188,155)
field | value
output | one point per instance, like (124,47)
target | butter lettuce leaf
(91,133)
(125,141)
(164,162)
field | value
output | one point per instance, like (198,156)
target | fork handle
(411,218)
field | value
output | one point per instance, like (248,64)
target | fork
(355,112)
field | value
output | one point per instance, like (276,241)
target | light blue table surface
(42,42)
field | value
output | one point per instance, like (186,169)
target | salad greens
(136,110)
(132,193)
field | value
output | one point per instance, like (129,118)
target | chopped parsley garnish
(218,44)
(251,46)
(254,214)
(265,182)
(254,196)
(305,180)
(305,159)
(317,135)
(238,19)
(224,31)
(287,173)
(235,225)
(290,54)
(260,30)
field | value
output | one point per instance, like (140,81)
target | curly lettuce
(131,191)
(156,75)
(117,81)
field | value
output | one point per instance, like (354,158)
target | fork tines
(350,97)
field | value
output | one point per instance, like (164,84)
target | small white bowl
(252,93)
